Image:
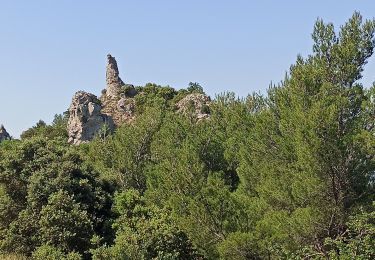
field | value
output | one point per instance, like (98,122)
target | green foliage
(123,157)
(145,232)
(239,246)
(195,87)
(304,163)
(64,224)
(153,95)
(53,253)
(12,257)
(56,130)
(191,175)
(288,175)
(31,172)
(357,241)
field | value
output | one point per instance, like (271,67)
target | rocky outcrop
(86,119)
(4,135)
(115,86)
(117,99)
(89,115)
(113,80)
(120,110)
(196,105)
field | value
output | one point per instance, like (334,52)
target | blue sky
(51,49)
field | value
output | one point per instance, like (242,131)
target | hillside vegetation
(287,175)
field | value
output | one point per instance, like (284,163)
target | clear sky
(51,49)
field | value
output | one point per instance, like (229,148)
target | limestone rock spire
(4,135)
(90,116)
(113,80)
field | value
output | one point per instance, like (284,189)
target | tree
(53,253)
(30,172)
(195,87)
(358,240)
(58,128)
(189,174)
(122,158)
(64,224)
(305,165)
(145,232)
(154,96)
(288,175)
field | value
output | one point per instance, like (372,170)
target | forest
(289,174)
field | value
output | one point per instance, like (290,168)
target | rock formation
(4,135)
(117,98)
(86,119)
(88,114)
(113,80)
(196,105)
(121,110)
(115,86)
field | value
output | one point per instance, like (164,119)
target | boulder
(196,105)
(86,119)
(4,135)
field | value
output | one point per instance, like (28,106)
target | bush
(47,252)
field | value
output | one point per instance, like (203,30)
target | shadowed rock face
(86,119)
(113,80)
(4,135)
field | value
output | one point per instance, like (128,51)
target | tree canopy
(286,175)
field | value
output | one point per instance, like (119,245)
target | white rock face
(86,119)
(4,135)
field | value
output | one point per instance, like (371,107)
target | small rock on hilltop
(4,135)
(196,105)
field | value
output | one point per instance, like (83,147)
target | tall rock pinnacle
(114,82)
(4,134)
(90,116)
